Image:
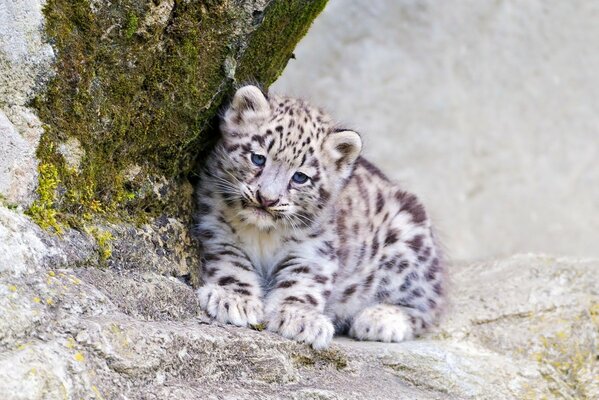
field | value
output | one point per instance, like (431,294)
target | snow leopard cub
(301,233)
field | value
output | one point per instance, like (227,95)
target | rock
(122,86)
(25,56)
(25,65)
(104,110)
(487,110)
(18,164)
(523,327)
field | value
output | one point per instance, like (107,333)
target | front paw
(229,307)
(382,323)
(302,324)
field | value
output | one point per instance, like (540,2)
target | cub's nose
(265,202)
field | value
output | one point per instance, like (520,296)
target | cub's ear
(344,147)
(249,99)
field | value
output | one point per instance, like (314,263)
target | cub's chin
(259,218)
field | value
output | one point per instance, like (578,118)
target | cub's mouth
(257,209)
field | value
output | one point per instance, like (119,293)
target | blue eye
(300,178)
(258,159)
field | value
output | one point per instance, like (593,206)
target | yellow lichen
(43,210)
(70,344)
(103,239)
(97,393)
(566,362)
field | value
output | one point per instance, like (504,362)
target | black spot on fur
(411,205)
(203,209)
(380,202)
(211,257)
(311,300)
(291,299)
(324,195)
(432,303)
(348,292)
(371,168)
(391,238)
(241,265)
(301,270)
(231,148)
(286,284)
(209,272)
(227,280)
(416,243)
(259,139)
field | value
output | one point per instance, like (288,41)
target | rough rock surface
(25,64)
(523,327)
(126,93)
(488,110)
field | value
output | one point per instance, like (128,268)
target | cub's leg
(231,291)
(408,291)
(294,308)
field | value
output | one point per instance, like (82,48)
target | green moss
(303,360)
(139,94)
(132,24)
(42,211)
(323,357)
(258,327)
(5,203)
(104,241)
(271,46)
(334,357)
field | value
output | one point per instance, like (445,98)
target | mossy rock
(137,87)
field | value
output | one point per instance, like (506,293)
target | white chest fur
(265,248)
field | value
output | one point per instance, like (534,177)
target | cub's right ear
(249,103)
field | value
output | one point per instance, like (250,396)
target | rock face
(104,109)
(126,93)
(486,109)
(523,327)
(25,65)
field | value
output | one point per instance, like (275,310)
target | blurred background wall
(487,109)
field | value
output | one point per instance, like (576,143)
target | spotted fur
(345,250)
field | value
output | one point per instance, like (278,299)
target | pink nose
(264,201)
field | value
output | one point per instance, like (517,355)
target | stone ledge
(523,327)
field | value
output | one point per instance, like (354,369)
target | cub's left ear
(344,147)
(250,98)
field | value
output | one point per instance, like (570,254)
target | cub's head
(280,161)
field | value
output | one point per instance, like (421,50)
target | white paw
(383,323)
(302,324)
(229,307)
